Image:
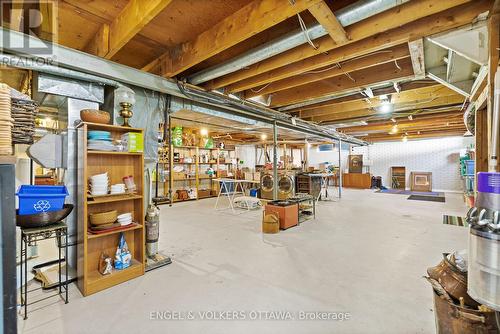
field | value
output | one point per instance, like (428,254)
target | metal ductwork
(354,13)
(81,65)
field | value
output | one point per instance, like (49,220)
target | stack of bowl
(99,184)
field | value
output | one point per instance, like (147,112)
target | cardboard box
(133,141)
(179,175)
(204,193)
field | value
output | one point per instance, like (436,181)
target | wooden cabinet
(357,180)
(308,184)
(288,214)
(398,177)
(90,246)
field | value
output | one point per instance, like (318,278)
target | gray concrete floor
(364,255)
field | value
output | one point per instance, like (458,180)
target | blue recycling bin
(37,199)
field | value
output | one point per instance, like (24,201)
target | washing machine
(285,184)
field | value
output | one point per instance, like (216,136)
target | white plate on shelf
(99,193)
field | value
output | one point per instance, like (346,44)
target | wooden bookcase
(398,177)
(90,246)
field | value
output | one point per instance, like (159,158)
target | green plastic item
(177,136)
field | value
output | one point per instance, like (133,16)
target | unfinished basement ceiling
(248,131)
(361,54)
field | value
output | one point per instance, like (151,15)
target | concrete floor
(364,255)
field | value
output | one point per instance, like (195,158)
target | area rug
(408,192)
(455,220)
(427,198)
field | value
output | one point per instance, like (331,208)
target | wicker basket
(270,222)
(103,218)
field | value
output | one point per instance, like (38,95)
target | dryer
(285,184)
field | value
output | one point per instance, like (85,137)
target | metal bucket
(453,319)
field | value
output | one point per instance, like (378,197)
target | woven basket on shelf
(103,218)
(5,121)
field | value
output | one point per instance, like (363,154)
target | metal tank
(484,242)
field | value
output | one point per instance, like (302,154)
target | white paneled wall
(439,156)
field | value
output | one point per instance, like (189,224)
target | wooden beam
(131,20)
(99,45)
(15,15)
(323,14)
(403,87)
(481,140)
(417,57)
(494,54)
(255,17)
(385,56)
(368,36)
(368,112)
(415,136)
(50,20)
(411,97)
(336,85)
(439,119)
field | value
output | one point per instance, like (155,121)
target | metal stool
(29,237)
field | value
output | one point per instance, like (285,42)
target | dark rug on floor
(427,198)
(408,192)
(455,220)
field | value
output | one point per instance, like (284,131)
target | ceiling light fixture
(394,129)
(405,139)
(263,136)
(410,117)
(386,108)
(203,132)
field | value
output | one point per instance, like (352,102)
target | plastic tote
(37,199)
(469,167)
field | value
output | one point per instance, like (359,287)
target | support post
(340,168)
(275,161)
(167,130)
(8,322)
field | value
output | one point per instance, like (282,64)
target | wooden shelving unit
(204,185)
(117,165)
(398,177)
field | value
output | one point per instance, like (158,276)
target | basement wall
(439,156)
